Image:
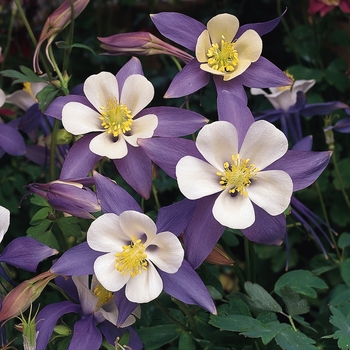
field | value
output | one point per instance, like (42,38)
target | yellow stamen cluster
(330,2)
(103,295)
(116,118)
(237,175)
(27,87)
(223,58)
(287,87)
(132,259)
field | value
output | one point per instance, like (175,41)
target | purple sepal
(303,167)
(31,120)
(264,74)
(136,169)
(175,217)
(108,191)
(203,232)
(38,154)
(270,115)
(175,122)
(77,261)
(80,160)
(235,111)
(305,144)
(189,80)
(322,108)
(125,306)
(11,141)
(85,335)
(69,287)
(26,253)
(48,317)
(261,28)
(133,66)
(179,28)
(343,125)
(182,284)
(234,86)
(166,152)
(55,108)
(266,229)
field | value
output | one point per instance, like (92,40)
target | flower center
(330,2)
(103,295)
(237,175)
(132,259)
(27,87)
(223,58)
(287,87)
(116,118)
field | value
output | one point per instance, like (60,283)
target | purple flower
(114,118)
(230,53)
(227,188)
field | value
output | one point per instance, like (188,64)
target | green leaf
(40,215)
(239,307)
(335,76)
(207,345)
(301,282)
(344,240)
(69,226)
(344,271)
(294,340)
(40,201)
(261,298)
(186,341)
(343,334)
(47,238)
(40,228)
(27,75)
(294,305)
(64,45)
(157,336)
(46,96)
(300,72)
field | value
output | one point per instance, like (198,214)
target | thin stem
(168,315)
(155,195)
(58,72)
(247,258)
(185,309)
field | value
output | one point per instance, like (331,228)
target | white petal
(222,25)
(263,144)
(37,87)
(79,119)
(99,88)
(217,142)
(137,93)
(109,277)
(109,312)
(166,252)
(2,97)
(142,128)
(235,212)
(106,235)
(105,146)
(202,46)
(21,99)
(303,85)
(4,221)
(196,178)
(88,300)
(282,99)
(271,191)
(139,225)
(249,46)
(144,287)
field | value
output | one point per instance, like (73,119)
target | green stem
(247,258)
(186,310)
(341,183)
(69,40)
(58,72)
(53,149)
(155,195)
(168,315)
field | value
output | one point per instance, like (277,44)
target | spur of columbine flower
(184,284)
(243,179)
(290,103)
(95,305)
(324,6)
(230,53)
(113,116)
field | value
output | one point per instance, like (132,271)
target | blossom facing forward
(113,116)
(237,173)
(134,251)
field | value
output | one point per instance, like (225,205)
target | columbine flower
(141,43)
(242,178)
(237,173)
(116,105)
(134,250)
(4,221)
(95,305)
(230,53)
(324,6)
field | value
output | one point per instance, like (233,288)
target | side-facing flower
(96,307)
(324,6)
(230,53)
(4,221)
(134,252)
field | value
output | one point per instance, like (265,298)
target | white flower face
(237,174)
(134,251)
(220,54)
(114,114)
